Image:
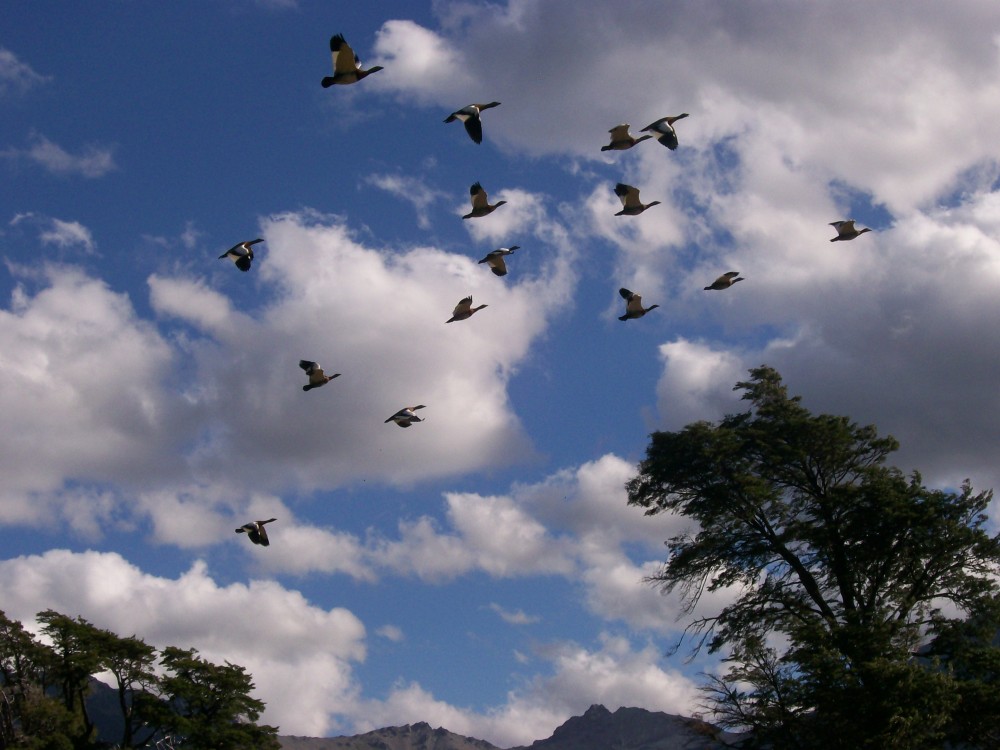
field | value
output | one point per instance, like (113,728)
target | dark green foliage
(849,562)
(43,691)
(211,704)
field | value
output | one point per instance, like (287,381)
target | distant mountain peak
(597,729)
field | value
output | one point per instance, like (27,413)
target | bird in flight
(621,139)
(464,310)
(316,375)
(346,65)
(241,254)
(846,230)
(495,259)
(405,416)
(663,130)
(633,305)
(481,205)
(256,531)
(469,115)
(725,281)
(631,205)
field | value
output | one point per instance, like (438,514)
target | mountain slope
(597,729)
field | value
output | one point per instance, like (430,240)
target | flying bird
(316,375)
(621,139)
(725,281)
(346,65)
(241,254)
(481,205)
(846,230)
(464,310)
(470,117)
(405,416)
(663,130)
(496,261)
(631,205)
(256,531)
(633,305)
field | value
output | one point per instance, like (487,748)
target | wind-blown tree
(840,565)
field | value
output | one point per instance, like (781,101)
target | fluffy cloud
(392,350)
(300,656)
(614,674)
(872,340)
(80,392)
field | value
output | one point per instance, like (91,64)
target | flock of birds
(347,70)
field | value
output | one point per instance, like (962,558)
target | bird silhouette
(633,305)
(470,116)
(846,230)
(631,205)
(256,531)
(346,65)
(316,375)
(405,416)
(621,139)
(663,130)
(481,205)
(725,281)
(241,254)
(463,310)
(495,259)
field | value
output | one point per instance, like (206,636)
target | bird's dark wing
(474,127)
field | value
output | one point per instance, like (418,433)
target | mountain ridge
(596,729)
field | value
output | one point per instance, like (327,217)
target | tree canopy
(838,567)
(45,688)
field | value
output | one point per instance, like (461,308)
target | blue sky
(479,570)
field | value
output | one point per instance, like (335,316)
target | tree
(130,661)
(839,567)
(210,705)
(75,648)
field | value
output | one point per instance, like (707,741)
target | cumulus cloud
(614,674)
(390,355)
(80,393)
(301,656)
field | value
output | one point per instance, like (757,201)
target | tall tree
(846,560)
(210,704)
(130,661)
(75,649)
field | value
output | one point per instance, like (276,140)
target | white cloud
(300,655)
(80,392)
(614,674)
(420,62)
(17,76)
(514,617)
(391,633)
(67,234)
(411,190)
(92,162)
